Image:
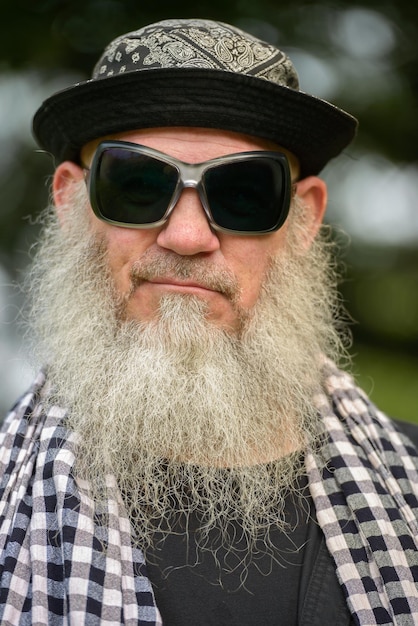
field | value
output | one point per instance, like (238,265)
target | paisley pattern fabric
(198,44)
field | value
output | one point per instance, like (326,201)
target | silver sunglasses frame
(190,175)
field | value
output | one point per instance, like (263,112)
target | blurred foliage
(48,44)
(389,377)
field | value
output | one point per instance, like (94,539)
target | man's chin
(145,306)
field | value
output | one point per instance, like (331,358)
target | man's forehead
(231,141)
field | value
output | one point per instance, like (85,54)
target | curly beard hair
(185,416)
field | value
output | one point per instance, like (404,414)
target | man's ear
(312,191)
(66,175)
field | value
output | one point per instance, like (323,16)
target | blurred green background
(361,56)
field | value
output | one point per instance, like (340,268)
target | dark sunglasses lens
(133,188)
(247,196)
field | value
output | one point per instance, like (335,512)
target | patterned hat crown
(198,44)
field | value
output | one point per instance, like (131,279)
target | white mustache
(157,266)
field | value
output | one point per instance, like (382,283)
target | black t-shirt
(193,587)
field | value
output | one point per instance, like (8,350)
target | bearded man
(189,452)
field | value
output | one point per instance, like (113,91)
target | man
(190,453)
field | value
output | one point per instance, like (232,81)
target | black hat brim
(313,129)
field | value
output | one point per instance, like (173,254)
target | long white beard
(177,409)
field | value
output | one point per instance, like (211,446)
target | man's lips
(179,284)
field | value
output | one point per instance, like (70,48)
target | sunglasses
(133,186)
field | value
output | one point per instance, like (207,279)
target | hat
(192,72)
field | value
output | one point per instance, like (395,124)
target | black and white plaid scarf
(58,566)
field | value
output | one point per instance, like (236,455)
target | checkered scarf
(59,565)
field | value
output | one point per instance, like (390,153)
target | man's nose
(187,230)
